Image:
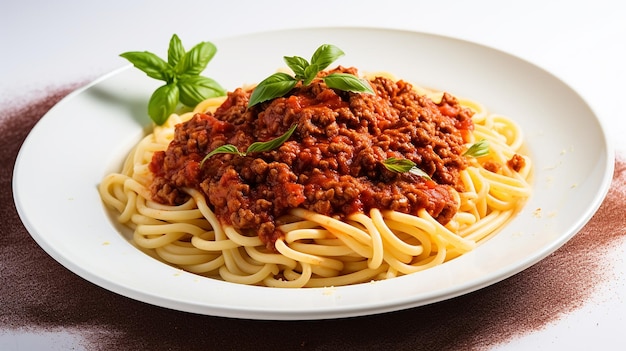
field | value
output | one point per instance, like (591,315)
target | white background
(46,44)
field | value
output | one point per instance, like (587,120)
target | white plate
(87,134)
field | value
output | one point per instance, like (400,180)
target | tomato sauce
(332,164)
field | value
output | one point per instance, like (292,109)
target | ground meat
(333,162)
(516,163)
(492,166)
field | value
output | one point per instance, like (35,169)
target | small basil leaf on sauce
(276,85)
(224,149)
(325,55)
(271,144)
(175,50)
(478,149)
(149,63)
(402,165)
(348,82)
(195,89)
(398,165)
(419,172)
(254,147)
(163,103)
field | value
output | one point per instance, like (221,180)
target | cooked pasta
(316,249)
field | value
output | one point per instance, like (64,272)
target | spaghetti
(313,248)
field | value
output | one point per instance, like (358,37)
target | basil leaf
(279,84)
(297,65)
(310,73)
(196,89)
(402,165)
(398,165)
(181,72)
(254,147)
(419,172)
(478,149)
(224,149)
(195,60)
(276,85)
(162,103)
(175,50)
(325,55)
(271,144)
(149,63)
(348,82)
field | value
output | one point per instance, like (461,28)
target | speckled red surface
(38,294)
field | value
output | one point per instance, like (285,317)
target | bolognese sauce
(332,164)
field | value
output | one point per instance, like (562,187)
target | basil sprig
(402,165)
(181,73)
(279,84)
(254,147)
(478,149)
